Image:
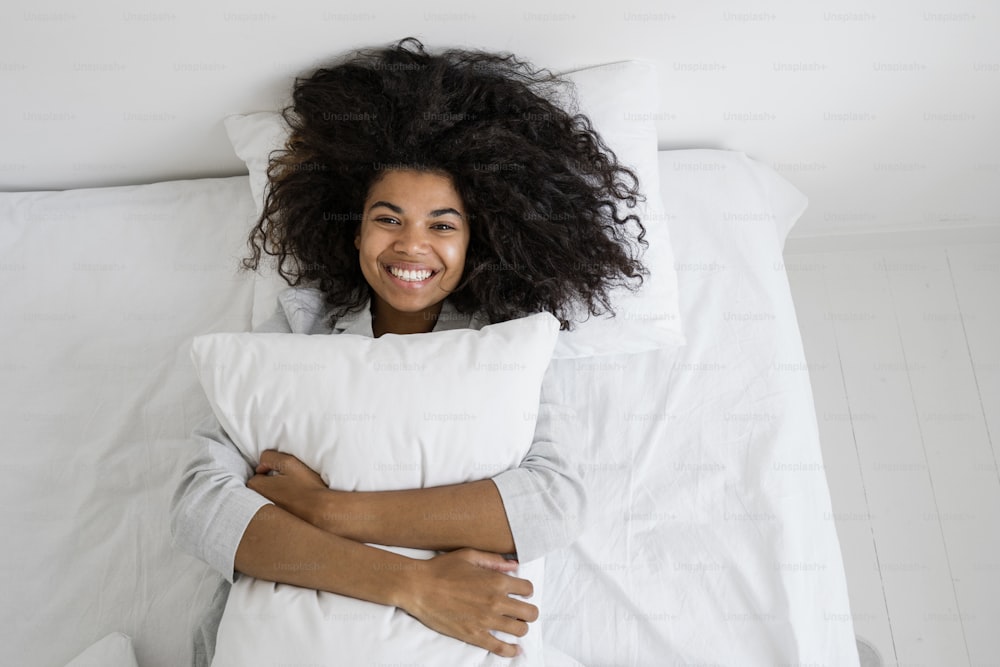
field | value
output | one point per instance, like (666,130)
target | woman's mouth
(410,277)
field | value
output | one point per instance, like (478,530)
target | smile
(414,277)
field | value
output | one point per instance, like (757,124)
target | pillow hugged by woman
(419,192)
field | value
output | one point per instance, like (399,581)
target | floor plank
(868,612)
(911,553)
(975,274)
(912,559)
(954,438)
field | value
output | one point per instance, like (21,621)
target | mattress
(710,539)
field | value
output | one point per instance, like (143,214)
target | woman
(416,193)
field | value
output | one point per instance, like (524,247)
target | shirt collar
(360,322)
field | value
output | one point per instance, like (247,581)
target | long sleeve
(544,497)
(212,505)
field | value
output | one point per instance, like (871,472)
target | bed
(711,541)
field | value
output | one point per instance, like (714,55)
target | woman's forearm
(440,518)
(278,546)
(464,594)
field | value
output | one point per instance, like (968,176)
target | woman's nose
(411,238)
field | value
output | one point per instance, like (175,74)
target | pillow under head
(621,99)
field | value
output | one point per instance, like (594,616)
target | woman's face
(411,244)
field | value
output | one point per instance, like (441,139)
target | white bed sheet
(101,291)
(725,552)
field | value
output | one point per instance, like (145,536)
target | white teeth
(410,276)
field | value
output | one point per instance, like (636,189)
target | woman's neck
(386,319)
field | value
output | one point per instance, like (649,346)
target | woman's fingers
(289,483)
(512,626)
(522,587)
(272,459)
(520,610)
(498,647)
(465,594)
(489,561)
(272,462)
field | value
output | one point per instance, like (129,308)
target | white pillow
(394,412)
(621,100)
(114,650)
(132,272)
(707,186)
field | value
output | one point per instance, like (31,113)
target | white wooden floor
(903,348)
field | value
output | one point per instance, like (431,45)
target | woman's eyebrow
(445,211)
(392,207)
(434,214)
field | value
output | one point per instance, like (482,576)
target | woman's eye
(388,220)
(443,225)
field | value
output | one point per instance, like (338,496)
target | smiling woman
(418,193)
(411,243)
(550,210)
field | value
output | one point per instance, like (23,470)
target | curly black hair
(543,192)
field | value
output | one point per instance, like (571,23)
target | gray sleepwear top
(544,497)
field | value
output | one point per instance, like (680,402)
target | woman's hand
(290,484)
(465,594)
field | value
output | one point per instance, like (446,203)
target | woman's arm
(533,509)
(214,516)
(440,518)
(463,594)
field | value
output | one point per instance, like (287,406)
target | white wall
(887,114)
